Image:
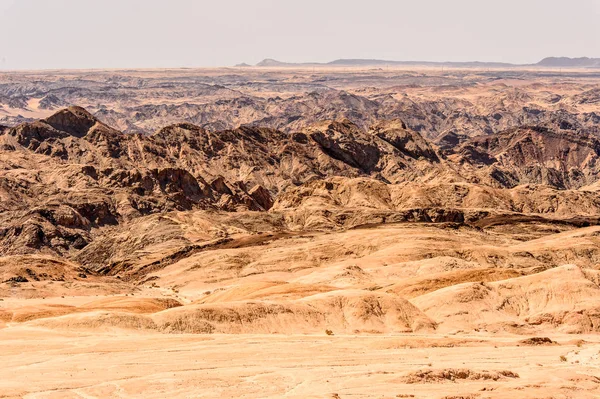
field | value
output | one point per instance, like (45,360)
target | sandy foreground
(136,345)
(39,363)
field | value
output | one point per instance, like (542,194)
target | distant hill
(269,62)
(550,62)
(374,62)
(566,62)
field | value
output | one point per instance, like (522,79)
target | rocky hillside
(332,226)
(69,177)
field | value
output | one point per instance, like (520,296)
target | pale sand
(40,363)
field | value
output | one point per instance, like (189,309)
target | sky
(48,34)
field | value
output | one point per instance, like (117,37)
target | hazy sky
(184,33)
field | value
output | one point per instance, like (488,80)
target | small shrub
(328,332)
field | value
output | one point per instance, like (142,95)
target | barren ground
(366,234)
(39,363)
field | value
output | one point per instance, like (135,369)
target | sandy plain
(45,364)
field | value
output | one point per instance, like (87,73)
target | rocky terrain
(311,233)
(433,102)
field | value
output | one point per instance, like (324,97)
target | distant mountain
(269,62)
(566,62)
(550,62)
(379,63)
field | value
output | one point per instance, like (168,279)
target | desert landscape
(301,231)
